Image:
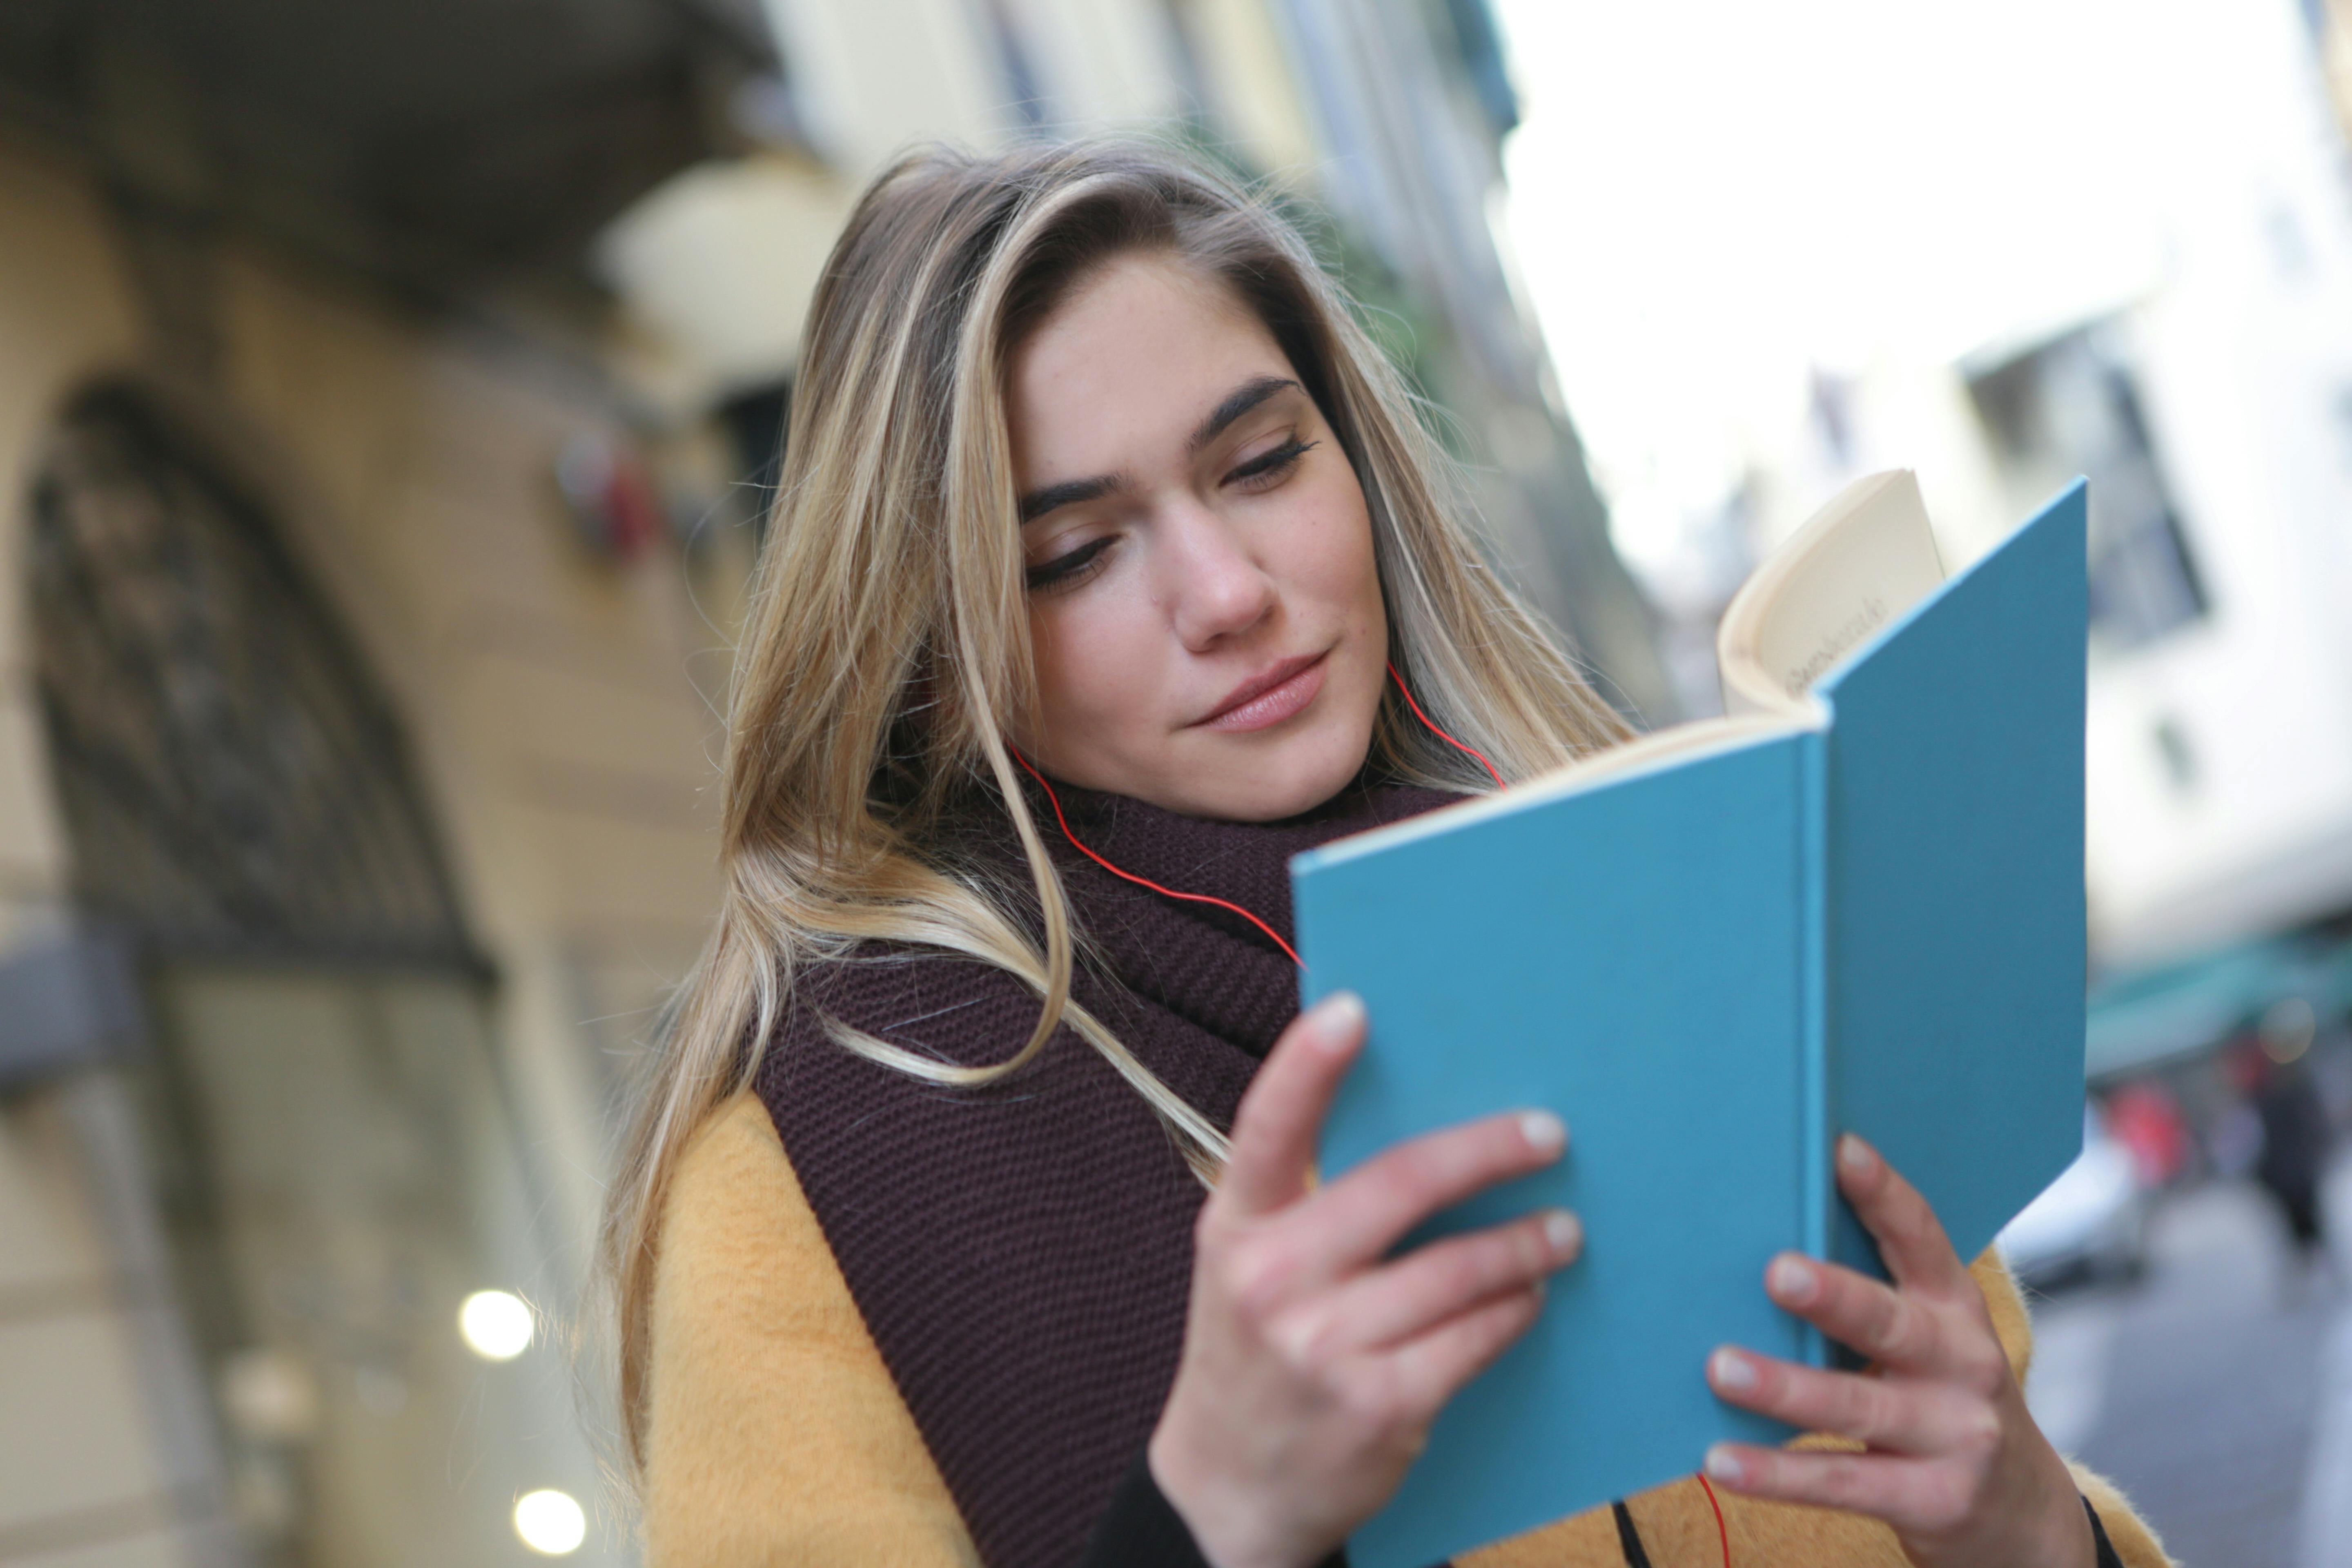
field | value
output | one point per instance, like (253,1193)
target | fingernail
(1733,1370)
(1855,1157)
(1545,1133)
(1722,1464)
(1793,1280)
(1562,1231)
(1337,1018)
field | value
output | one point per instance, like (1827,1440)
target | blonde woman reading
(969,1215)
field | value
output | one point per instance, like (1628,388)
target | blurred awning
(424,137)
(2142,1017)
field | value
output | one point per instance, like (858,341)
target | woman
(1110,568)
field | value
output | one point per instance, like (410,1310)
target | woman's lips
(1272,704)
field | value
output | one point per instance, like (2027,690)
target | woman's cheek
(1329,537)
(1093,653)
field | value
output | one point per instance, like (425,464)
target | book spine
(1816,1169)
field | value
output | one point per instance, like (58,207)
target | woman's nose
(1217,588)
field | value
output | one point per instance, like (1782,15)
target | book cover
(1861,910)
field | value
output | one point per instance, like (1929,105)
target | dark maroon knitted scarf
(1021,1254)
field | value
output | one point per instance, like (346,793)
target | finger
(1273,1145)
(1432,1369)
(1882,1323)
(1910,1494)
(1433,1283)
(1903,1416)
(1910,1237)
(1355,1219)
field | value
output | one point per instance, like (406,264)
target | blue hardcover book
(1854,903)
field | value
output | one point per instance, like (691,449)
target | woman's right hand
(1313,1363)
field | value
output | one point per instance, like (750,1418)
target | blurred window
(1480,44)
(2072,406)
(231,779)
(337,1173)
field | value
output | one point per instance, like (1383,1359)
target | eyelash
(1274,463)
(1069,570)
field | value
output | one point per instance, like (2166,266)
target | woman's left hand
(1954,1461)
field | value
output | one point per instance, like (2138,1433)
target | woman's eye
(1070,567)
(1271,464)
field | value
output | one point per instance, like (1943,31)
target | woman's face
(1202,598)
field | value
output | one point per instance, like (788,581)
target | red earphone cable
(1721,1533)
(1273,935)
(1407,693)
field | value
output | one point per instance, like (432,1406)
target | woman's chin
(1267,784)
(1253,776)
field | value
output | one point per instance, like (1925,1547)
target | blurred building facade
(353,765)
(380,382)
(2200,376)
(2211,407)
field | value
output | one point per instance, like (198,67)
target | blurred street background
(389,391)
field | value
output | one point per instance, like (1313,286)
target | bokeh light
(496,1325)
(551,1522)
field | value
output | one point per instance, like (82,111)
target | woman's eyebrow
(1069,492)
(1238,402)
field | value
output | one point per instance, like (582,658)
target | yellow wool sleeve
(774,1434)
(1678,1524)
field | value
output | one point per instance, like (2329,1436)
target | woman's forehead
(1126,369)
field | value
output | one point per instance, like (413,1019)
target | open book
(1855,902)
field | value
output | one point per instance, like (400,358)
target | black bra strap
(1629,1539)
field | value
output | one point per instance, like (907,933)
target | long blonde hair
(886,640)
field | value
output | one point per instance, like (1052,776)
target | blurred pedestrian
(2273,1071)
(2146,1119)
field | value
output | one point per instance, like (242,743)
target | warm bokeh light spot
(550,1522)
(496,1325)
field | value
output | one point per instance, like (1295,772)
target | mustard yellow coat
(775,1435)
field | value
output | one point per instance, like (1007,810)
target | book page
(1861,562)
